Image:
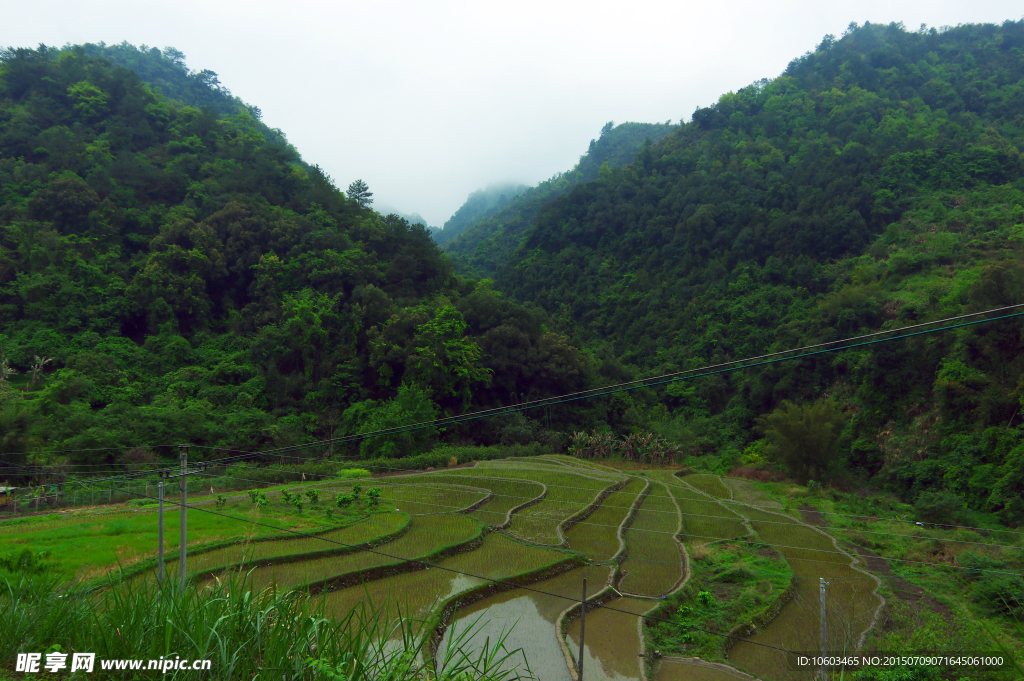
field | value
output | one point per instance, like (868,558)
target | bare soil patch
(812,516)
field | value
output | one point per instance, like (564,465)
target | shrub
(1002,593)
(635,447)
(26,562)
(221,501)
(938,507)
(804,438)
(314,496)
(345,500)
(411,405)
(374,493)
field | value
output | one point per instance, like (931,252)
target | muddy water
(528,618)
(612,645)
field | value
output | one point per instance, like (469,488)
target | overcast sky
(428,101)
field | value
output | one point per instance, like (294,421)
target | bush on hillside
(942,508)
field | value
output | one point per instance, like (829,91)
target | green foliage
(26,562)
(1003,593)
(756,453)
(483,238)
(642,447)
(345,500)
(314,496)
(374,494)
(225,622)
(221,501)
(934,506)
(804,438)
(411,406)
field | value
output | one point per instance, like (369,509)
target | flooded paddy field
(598,536)
(527,618)
(506,493)
(654,563)
(434,548)
(413,594)
(612,645)
(426,535)
(852,602)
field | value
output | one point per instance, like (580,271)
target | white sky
(429,101)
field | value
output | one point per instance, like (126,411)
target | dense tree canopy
(192,279)
(876,183)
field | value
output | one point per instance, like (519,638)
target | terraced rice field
(704,519)
(507,494)
(597,537)
(709,484)
(747,492)
(812,555)
(414,593)
(249,553)
(654,562)
(528,618)
(432,497)
(427,525)
(611,652)
(427,534)
(568,492)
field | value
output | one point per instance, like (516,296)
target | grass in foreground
(247,634)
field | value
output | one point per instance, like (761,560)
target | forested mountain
(170,273)
(876,183)
(165,70)
(481,204)
(411,218)
(482,240)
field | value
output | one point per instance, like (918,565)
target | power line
(647,383)
(657,380)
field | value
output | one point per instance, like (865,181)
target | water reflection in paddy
(498,557)
(528,617)
(612,645)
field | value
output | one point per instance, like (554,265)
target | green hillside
(173,272)
(480,205)
(485,232)
(876,183)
